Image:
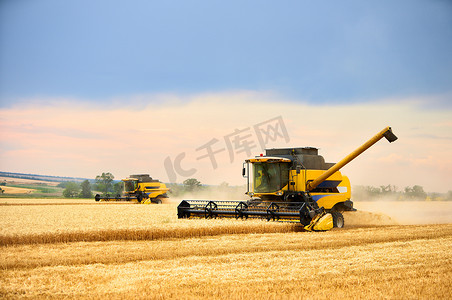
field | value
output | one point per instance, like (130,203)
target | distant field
(17,190)
(10,180)
(44,201)
(29,188)
(97,250)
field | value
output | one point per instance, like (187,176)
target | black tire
(97,197)
(158,201)
(338,219)
(139,198)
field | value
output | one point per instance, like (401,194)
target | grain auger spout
(292,185)
(387,133)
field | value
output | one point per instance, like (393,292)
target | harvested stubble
(383,262)
(112,252)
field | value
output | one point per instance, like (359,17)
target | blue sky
(122,86)
(317,51)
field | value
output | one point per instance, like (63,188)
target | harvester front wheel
(338,219)
(139,198)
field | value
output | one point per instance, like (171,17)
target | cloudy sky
(152,86)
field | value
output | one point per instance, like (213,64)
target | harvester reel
(209,210)
(239,210)
(276,211)
(271,209)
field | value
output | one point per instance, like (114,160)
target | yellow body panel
(152,189)
(329,200)
(325,198)
(305,176)
(321,223)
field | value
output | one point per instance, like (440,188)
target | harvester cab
(290,184)
(284,175)
(140,188)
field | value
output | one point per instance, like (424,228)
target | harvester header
(290,184)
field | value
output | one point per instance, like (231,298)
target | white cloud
(76,138)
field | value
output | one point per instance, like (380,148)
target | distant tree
(373,191)
(449,195)
(62,184)
(387,189)
(72,190)
(118,187)
(191,184)
(86,190)
(104,182)
(416,191)
(175,189)
(224,185)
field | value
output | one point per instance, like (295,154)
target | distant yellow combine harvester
(141,189)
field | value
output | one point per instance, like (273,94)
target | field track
(137,251)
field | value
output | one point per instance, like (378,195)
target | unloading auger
(291,185)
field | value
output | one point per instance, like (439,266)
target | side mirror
(243,172)
(298,169)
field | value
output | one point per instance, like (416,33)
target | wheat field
(143,251)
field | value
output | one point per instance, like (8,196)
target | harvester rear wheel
(338,219)
(158,201)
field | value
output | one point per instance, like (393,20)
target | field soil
(97,250)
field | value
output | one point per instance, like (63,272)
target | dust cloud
(401,212)
(369,213)
(212,193)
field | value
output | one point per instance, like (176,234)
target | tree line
(415,192)
(103,183)
(106,185)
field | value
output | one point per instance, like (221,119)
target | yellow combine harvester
(291,184)
(141,189)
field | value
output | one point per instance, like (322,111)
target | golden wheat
(384,262)
(74,223)
(100,222)
(144,251)
(34,255)
(43,201)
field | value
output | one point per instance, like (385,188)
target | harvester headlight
(251,194)
(279,193)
